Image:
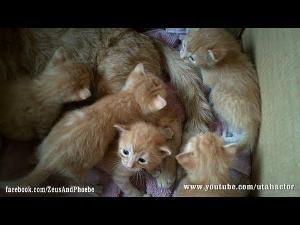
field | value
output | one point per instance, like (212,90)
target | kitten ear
(59,56)
(167,132)
(186,160)
(139,68)
(211,56)
(157,103)
(135,74)
(165,150)
(121,128)
(231,149)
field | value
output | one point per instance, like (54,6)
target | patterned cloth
(171,37)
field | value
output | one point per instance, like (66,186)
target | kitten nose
(130,163)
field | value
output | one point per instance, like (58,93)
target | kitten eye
(125,152)
(142,161)
(191,58)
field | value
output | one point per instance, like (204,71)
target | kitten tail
(34,178)
(188,85)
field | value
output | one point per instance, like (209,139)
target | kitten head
(143,146)
(149,90)
(70,80)
(205,158)
(208,46)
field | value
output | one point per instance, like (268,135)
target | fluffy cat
(206,162)
(80,139)
(29,107)
(232,78)
(111,53)
(141,146)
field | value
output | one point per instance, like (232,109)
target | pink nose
(130,164)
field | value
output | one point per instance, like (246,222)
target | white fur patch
(188,147)
(182,53)
(66,136)
(84,94)
(76,115)
(79,114)
(70,122)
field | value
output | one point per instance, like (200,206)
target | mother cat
(111,53)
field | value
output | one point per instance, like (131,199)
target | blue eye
(125,152)
(141,160)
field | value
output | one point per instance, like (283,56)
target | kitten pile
(136,130)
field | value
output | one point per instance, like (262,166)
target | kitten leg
(123,182)
(167,176)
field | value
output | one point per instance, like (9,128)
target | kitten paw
(147,195)
(165,179)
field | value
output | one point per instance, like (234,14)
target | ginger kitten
(80,139)
(141,146)
(29,107)
(206,161)
(171,118)
(232,78)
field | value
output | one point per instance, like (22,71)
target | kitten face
(204,155)
(207,46)
(142,146)
(150,91)
(70,78)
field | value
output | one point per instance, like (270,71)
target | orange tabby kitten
(206,162)
(29,107)
(168,117)
(80,139)
(141,146)
(230,74)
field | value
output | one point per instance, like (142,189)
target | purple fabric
(170,39)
